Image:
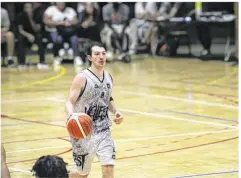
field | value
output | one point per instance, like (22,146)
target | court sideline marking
(179,99)
(133,139)
(38,82)
(20,170)
(171,111)
(160,116)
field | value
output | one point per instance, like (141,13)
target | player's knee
(107,171)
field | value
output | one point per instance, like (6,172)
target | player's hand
(68,118)
(118,117)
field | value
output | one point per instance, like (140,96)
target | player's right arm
(75,90)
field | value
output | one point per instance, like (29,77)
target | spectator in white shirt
(7,36)
(61,22)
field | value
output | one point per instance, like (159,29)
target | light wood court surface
(181,118)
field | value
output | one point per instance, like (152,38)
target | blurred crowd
(124,28)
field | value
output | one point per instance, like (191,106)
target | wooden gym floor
(181,118)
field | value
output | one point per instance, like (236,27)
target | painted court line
(207,174)
(36,149)
(20,170)
(20,101)
(131,140)
(161,116)
(181,99)
(176,118)
(61,100)
(175,135)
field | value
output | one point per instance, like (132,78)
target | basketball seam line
(80,127)
(70,128)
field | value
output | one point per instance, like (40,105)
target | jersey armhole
(111,77)
(82,91)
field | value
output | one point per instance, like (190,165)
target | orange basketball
(79,125)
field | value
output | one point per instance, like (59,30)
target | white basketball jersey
(94,100)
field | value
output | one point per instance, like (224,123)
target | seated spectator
(7,36)
(117,33)
(61,22)
(166,11)
(50,167)
(29,32)
(146,31)
(89,21)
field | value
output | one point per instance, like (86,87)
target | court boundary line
(207,174)
(160,115)
(178,99)
(156,115)
(171,111)
(20,170)
(37,82)
(133,139)
(176,118)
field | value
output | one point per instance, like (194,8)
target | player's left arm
(118,117)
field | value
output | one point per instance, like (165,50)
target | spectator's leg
(10,43)
(236,11)
(21,52)
(78,61)
(57,41)
(131,31)
(40,48)
(75,45)
(203,33)
(105,35)
(154,40)
(125,42)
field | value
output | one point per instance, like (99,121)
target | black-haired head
(90,46)
(50,167)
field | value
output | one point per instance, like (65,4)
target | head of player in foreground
(50,166)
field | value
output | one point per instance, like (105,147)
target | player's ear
(89,57)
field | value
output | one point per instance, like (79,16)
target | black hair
(50,167)
(88,50)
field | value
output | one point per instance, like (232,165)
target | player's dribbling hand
(118,117)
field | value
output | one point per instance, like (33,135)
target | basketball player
(4,172)
(50,166)
(91,93)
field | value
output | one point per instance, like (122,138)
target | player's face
(98,57)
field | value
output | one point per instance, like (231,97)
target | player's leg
(108,171)
(83,154)
(5,172)
(106,154)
